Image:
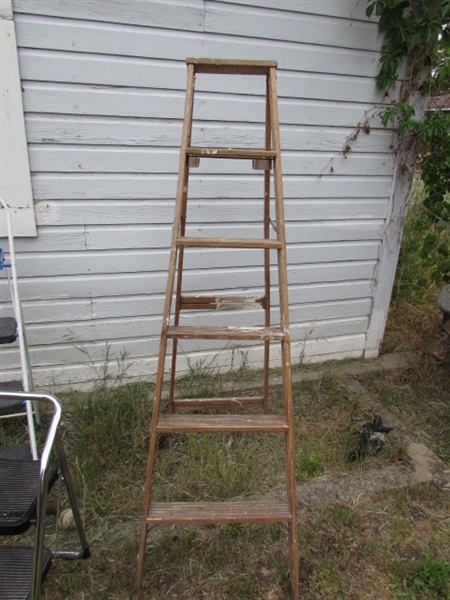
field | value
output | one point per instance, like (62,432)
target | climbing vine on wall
(417,33)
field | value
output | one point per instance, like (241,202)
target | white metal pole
(27,379)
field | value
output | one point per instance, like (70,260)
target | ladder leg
(179,284)
(187,126)
(290,469)
(268,144)
(150,467)
(285,345)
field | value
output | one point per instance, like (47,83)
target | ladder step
(161,513)
(231,66)
(8,329)
(250,153)
(16,566)
(221,302)
(199,242)
(189,404)
(225,333)
(18,493)
(222,423)
(11,406)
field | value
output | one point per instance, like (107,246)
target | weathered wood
(94,213)
(222,423)
(194,162)
(262,164)
(226,66)
(343,9)
(180,211)
(196,16)
(244,153)
(101,158)
(212,404)
(63,34)
(54,101)
(217,512)
(228,243)
(74,68)
(221,302)
(58,186)
(225,333)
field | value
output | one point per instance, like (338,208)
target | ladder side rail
(267,146)
(27,378)
(188,108)
(285,343)
(179,272)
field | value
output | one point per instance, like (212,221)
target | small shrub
(309,465)
(429,577)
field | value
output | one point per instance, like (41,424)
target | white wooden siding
(103,92)
(15,184)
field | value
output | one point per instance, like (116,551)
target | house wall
(103,92)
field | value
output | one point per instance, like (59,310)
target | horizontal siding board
(215,18)
(187,14)
(73,99)
(202,281)
(79,159)
(66,311)
(99,238)
(333,348)
(70,130)
(310,351)
(51,239)
(142,237)
(98,263)
(59,355)
(120,187)
(140,362)
(70,67)
(345,9)
(105,308)
(273,24)
(100,212)
(128,329)
(76,351)
(57,311)
(76,36)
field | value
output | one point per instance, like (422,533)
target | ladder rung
(199,242)
(222,423)
(218,512)
(231,66)
(221,302)
(189,404)
(231,153)
(225,333)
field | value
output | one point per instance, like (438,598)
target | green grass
(420,397)
(427,577)
(106,435)
(368,548)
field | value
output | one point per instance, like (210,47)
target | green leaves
(418,31)
(418,28)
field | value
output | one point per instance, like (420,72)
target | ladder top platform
(231,66)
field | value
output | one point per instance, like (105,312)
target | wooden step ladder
(267,159)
